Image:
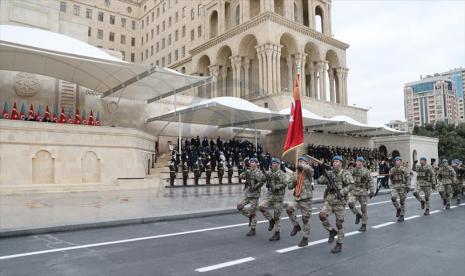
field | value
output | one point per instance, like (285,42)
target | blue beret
(253,159)
(338,158)
(397,158)
(360,158)
(445,161)
(423,158)
(275,160)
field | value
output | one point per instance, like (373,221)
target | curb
(124,222)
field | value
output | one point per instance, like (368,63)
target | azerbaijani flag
(295,130)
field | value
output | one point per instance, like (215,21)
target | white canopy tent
(51,54)
(235,112)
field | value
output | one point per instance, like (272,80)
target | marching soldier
(172,173)
(185,173)
(230,172)
(446,178)
(334,200)
(360,192)
(400,180)
(424,183)
(197,173)
(254,180)
(208,172)
(276,184)
(220,172)
(460,173)
(301,183)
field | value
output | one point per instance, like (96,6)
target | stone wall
(38,153)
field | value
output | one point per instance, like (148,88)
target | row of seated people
(44,115)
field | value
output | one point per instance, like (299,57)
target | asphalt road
(433,245)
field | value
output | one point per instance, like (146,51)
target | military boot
(398,212)
(250,221)
(422,204)
(251,233)
(458,201)
(426,213)
(275,237)
(337,248)
(332,234)
(401,218)
(295,230)
(271,225)
(358,217)
(363,228)
(444,202)
(447,206)
(303,242)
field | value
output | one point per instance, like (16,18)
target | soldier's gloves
(370,195)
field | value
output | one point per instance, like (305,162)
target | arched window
(238,15)
(296,13)
(319,19)
(43,167)
(214,24)
(254,7)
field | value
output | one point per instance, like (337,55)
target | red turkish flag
(14,113)
(91,122)
(77,117)
(62,119)
(295,130)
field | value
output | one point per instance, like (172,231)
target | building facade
(398,125)
(458,77)
(429,100)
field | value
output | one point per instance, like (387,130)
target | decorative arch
(43,167)
(250,75)
(203,69)
(383,151)
(90,165)
(311,73)
(223,59)
(334,80)
(395,153)
(287,69)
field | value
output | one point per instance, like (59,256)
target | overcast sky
(394,42)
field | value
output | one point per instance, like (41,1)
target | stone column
(344,86)
(221,17)
(246,77)
(322,67)
(332,96)
(269,68)
(278,68)
(236,62)
(290,76)
(224,77)
(215,72)
(245,8)
(312,80)
(339,74)
(311,14)
(259,50)
(300,59)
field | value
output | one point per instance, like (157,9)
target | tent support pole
(256,140)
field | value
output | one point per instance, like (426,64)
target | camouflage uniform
(400,181)
(254,181)
(359,192)
(302,200)
(185,174)
(424,184)
(197,173)
(342,179)
(276,184)
(220,173)
(446,178)
(460,173)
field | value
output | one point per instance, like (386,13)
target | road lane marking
(295,247)
(223,265)
(453,207)
(32,253)
(383,224)
(435,211)
(412,217)
(462,204)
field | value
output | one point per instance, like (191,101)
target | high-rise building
(398,125)
(458,77)
(429,100)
